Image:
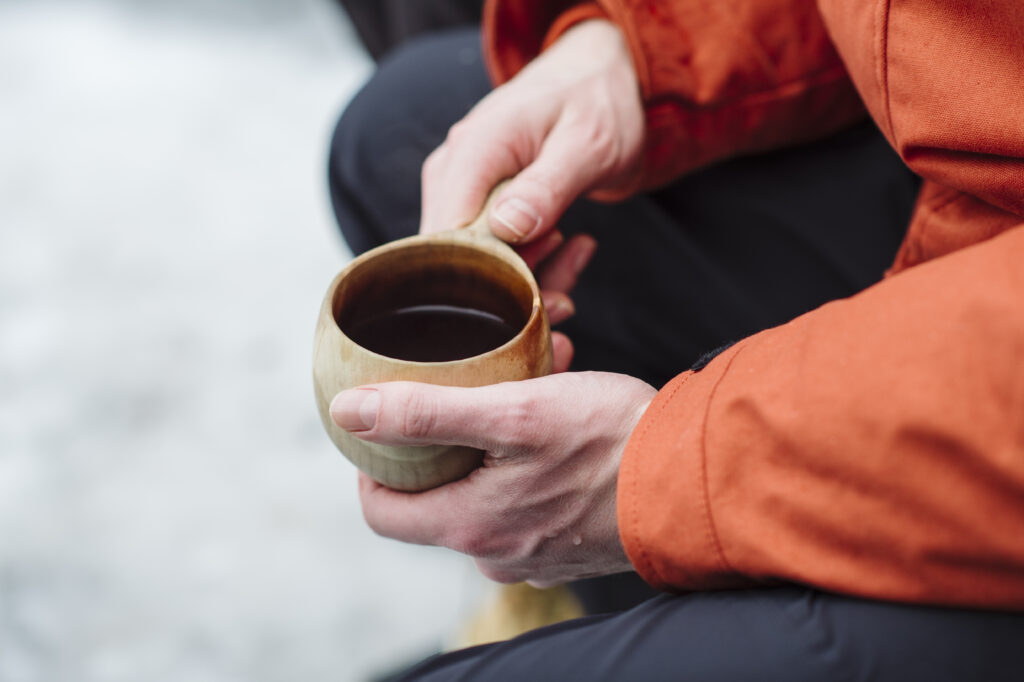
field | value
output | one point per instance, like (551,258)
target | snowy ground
(169,506)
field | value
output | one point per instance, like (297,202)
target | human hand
(557,266)
(542,506)
(570,122)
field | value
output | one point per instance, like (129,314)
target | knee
(370,148)
(404,111)
(387,130)
(370,167)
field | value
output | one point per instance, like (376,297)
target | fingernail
(356,410)
(563,307)
(518,216)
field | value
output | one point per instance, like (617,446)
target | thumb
(409,413)
(568,165)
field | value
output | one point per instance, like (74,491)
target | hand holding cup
(406,311)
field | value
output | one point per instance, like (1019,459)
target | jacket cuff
(576,15)
(514,32)
(664,513)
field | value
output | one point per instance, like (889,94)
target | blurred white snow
(170,509)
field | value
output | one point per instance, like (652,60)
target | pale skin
(542,506)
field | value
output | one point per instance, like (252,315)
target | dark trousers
(382,25)
(723,253)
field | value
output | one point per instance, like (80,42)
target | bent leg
(786,634)
(401,115)
(733,249)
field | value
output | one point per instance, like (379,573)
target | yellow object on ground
(516,609)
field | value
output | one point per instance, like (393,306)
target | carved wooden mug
(464,268)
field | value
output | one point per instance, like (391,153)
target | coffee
(432,333)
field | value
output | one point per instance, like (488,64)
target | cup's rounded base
(410,469)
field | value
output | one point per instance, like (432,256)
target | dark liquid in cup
(432,333)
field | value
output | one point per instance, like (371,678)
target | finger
(558,306)
(575,155)
(447,203)
(408,413)
(561,270)
(561,348)
(537,250)
(420,518)
(485,147)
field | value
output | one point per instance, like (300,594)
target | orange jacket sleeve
(874,446)
(717,78)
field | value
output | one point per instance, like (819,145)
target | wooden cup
(467,267)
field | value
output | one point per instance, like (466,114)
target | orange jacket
(874,446)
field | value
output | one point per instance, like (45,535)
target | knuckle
(544,185)
(377,529)
(433,163)
(538,180)
(419,416)
(520,417)
(598,137)
(458,132)
(373,521)
(478,540)
(497,573)
(468,541)
(604,148)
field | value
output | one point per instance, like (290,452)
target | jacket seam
(883,68)
(706,488)
(634,506)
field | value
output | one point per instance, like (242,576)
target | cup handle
(480,228)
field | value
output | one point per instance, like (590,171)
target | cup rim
(489,250)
